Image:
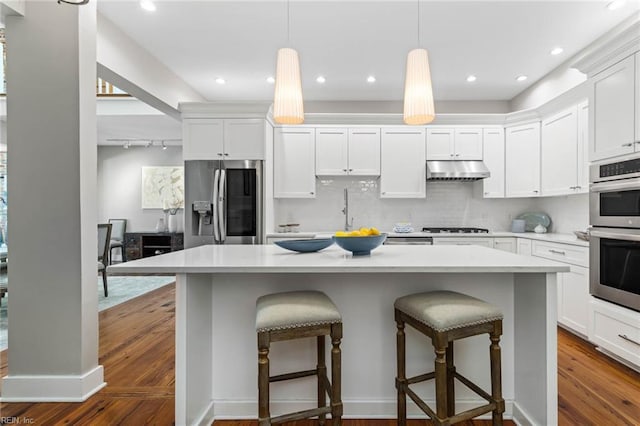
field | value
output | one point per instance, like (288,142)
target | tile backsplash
(446,204)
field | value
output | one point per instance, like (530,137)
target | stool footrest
(468,383)
(295,375)
(421,378)
(300,415)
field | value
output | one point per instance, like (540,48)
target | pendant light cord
(418,23)
(288,23)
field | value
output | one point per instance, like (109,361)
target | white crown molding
(521,117)
(249,109)
(617,44)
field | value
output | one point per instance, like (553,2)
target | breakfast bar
(217,287)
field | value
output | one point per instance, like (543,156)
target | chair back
(104,236)
(118,228)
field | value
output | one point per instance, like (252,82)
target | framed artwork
(163,187)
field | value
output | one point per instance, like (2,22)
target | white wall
(447,204)
(120,183)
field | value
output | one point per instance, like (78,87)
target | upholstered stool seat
(294,315)
(445,316)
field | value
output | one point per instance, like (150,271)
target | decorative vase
(160,226)
(173,223)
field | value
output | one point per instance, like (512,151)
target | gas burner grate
(455,230)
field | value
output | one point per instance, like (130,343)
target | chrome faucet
(345,211)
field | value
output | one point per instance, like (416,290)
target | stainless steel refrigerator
(223,202)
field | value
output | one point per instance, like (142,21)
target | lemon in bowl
(359,242)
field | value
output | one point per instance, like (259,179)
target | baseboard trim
(206,417)
(46,388)
(521,417)
(353,409)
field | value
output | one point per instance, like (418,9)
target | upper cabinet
(616,126)
(403,165)
(294,163)
(454,144)
(493,155)
(342,151)
(223,139)
(522,161)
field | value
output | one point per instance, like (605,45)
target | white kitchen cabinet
(583,148)
(463,241)
(616,330)
(342,151)
(573,299)
(615,99)
(403,171)
(218,139)
(524,246)
(493,156)
(454,144)
(294,163)
(559,153)
(505,244)
(522,161)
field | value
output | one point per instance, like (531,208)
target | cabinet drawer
(566,253)
(472,241)
(615,329)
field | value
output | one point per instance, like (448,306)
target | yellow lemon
(355,234)
(365,232)
(374,231)
(341,234)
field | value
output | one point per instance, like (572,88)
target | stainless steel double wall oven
(614,212)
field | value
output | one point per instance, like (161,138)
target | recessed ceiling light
(271,80)
(221,80)
(148,5)
(321,79)
(556,50)
(471,78)
(371,79)
(616,4)
(521,78)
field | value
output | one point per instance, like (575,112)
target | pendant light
(74,2)
(287,99)
(418,92)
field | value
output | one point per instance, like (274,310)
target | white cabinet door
(403,171)
(493,156)
(440,144)
(573,299)
(637,148)
(462,241)
(524,247)
(244,139)
(505,244)
(468,144)
(613,111)
(364,152)
(202,139)
(559,153)
(331,152)
(522,161)
(582,184)
(294,163)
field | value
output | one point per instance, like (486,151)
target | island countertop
(397,258)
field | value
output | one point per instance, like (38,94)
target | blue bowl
(305,246)
(360,246)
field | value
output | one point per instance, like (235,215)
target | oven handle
(614,186)
(614,235)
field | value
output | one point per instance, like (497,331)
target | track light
(163,145)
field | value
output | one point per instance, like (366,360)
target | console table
(146,244)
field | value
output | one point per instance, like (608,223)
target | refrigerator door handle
(216,216)
(222,205)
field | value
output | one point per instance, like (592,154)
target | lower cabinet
(461,241)
(146,244)
(505,244)
(524,247)
(616,330)
(573,299)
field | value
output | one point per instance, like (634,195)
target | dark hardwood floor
(137,351)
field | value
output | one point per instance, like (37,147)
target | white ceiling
(348,40)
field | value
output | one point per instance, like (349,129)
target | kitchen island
(216,349)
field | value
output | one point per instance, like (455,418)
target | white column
(51,132)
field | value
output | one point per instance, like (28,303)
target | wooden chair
(118,228)
(446,316)
(296,315)
(104,236)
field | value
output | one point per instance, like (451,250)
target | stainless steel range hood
(457,170)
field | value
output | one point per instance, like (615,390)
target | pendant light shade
(287,101)
(418,92)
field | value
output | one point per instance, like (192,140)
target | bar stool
(445,316)
(295,315)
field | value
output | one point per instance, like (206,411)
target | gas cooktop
(455,230)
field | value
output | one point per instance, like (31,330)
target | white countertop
(557,238)
(401,259)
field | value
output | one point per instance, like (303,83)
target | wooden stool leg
(496,373)
(322,372)
(264,417)
(401,379)
(440,348)
(336,373)
(451,370)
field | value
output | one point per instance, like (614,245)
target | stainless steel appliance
(458,170)
(417,238)
(614,248)
(455,230)
(223,201)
